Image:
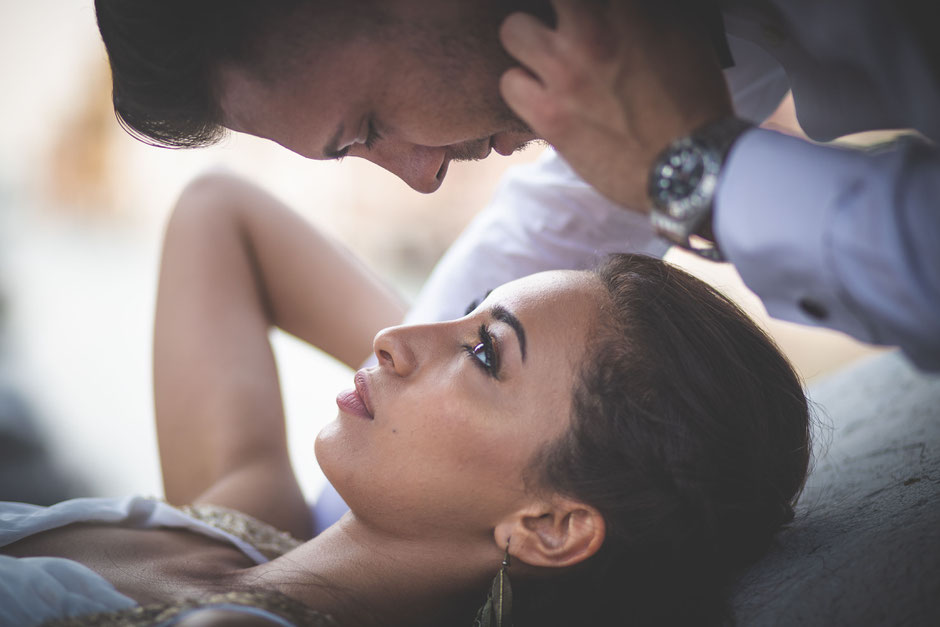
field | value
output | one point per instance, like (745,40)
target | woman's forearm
(217,401)
(237,262)
(314,288)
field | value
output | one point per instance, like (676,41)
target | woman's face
(436,437)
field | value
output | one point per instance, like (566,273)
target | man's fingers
(531,102)
(521,91)
(530,42)
(582,20)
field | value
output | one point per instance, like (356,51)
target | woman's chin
(340,455)
(324,448)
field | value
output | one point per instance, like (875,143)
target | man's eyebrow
(504,315)
(331,148)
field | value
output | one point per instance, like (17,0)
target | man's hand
(610,88)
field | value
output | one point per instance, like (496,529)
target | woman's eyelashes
(484,353)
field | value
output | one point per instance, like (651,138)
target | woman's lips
(356,400)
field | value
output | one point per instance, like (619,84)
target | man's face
(410,92)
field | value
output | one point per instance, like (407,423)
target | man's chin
(508,143)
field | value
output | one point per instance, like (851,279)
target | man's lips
(356,401)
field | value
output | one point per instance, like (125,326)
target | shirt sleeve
(841,238)
(542,217)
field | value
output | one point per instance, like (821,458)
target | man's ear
(554,534)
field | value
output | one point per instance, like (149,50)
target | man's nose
(421,167)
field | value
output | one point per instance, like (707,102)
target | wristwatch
(683,181)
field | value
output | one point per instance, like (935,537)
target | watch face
(685,171)
(686,178)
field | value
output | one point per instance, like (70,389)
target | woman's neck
(364,577)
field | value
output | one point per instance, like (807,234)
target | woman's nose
(421,167)
(394,350)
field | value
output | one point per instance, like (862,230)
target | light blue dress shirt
(829,236)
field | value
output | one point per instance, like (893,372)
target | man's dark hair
(691,435)
(165,56)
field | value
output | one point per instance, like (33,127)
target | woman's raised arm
(235,263)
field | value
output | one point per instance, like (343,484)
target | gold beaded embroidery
(270,541)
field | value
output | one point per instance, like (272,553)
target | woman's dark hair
(691,435)
(165,55)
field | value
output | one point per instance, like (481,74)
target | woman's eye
(479,351)
(485,354)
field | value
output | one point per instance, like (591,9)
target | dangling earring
(497,611)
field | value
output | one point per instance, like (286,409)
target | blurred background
(82,208)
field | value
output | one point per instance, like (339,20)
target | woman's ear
(554,534)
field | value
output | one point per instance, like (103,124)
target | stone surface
(864,548)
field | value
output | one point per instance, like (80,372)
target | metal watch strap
(718,137)
(722,134)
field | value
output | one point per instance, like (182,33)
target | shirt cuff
(777,201)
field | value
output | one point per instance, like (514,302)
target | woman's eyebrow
(504,315)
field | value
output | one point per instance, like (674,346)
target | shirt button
(813,309)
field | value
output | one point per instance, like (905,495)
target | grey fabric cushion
(864,548)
